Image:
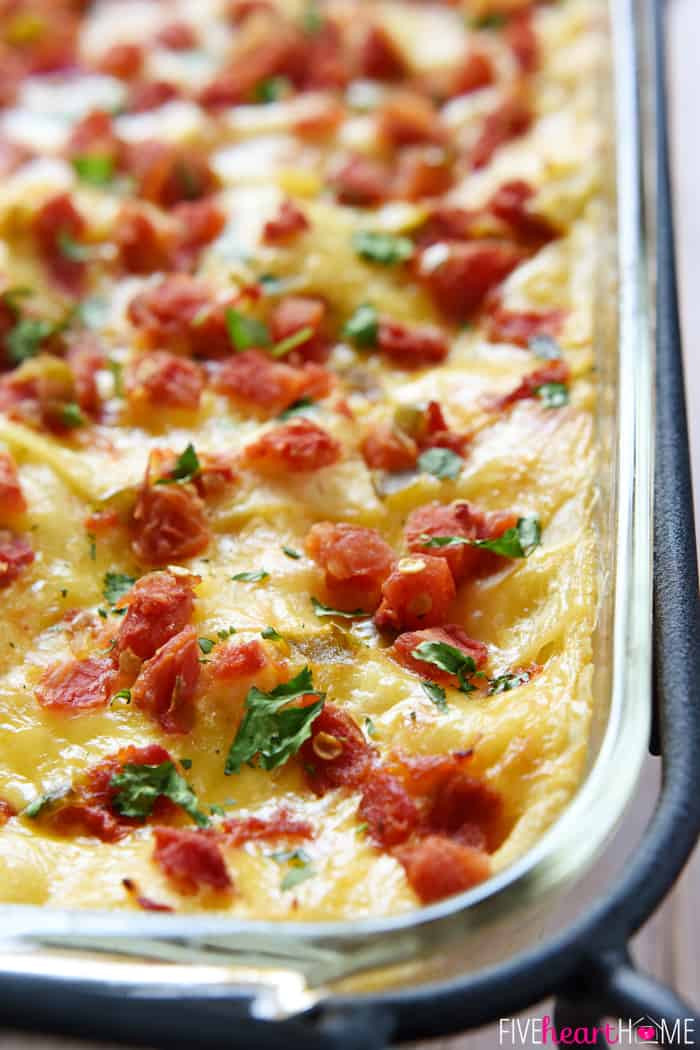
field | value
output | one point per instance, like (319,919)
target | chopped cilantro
(245,332)
(361,828)
(115,585)
(312,20)
(447,658)
(38,804)
(503,683)
(271,89)
(72,249)
(361,329)
(92,541)
(544,346)
(383,248)
(186,763)
(272,633)
(297,408)
(553,395)
(325,610)
(93,311)
(206,645)
(71,416)
(490,21)
(517,542)
(292,341)
(442,463)
(295,876)
(123,694)
(95,168)
(255,576)
(291,553)
(140,787)
(271,284)
(370,727)
(216,810)
(117,370)
(271,729)
(25,339)
(435,693)
(225,632)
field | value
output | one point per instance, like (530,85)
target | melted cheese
(530,743)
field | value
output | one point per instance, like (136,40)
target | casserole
(379,963)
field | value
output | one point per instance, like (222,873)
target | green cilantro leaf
(370,727)
(503,683)
(435,693)
(491,21)
(245,332)
(442,463)
(518,542)
(545,347)
(187,467)
(312,20)
(38,804)
(271,89)
(361,329)
(95,168)
(140,787)
(553,395)
(295,876)
(123,694)
(71,416)
(297,408)
(291,553)
(25,339)
(206,645)
(271,729)
(292,341)
(72,249)
(115,585)
(271,633)
(251,577)
(447,658)
(325,610)
(383,248)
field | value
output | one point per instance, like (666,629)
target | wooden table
(669,945)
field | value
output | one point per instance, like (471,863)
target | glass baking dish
(206,971)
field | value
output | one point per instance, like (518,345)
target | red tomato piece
(418,593)
(424,775)
(239,10)
(467,810)
(12,499)
(553,372)
(15,555)
(436,867)
(519,34)
(389,811)
(411,346)
(336,754)
(101,521)
(238,660)
(200,222)
(362,181)
(79,818)
(161,379)
(122,60)
(409,118)
(283,52)
(460,275)
(180,313)
(450,634)
(177,36)
(281,825)
(94,135)
(151,94)
(77,685)
(422,172)
(510,204)
(512,119)
(166,683)
(168,524)
(380,58)
(323,60)
(475,72)
(191,861)
(288,223)
(59,229)
(166,174)
(435,432)
(7,810)
(458,519)
(388,448)
(508,326)
(356,562)
(296,447)
(291,315)
(159,606)
(86,357)
(258,381)
(142,247)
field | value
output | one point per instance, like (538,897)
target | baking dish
(533,928)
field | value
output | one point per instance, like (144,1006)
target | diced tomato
(142,247)
(519,34)
(296,447)
(421,172)
(508,326)
(389,811)
(435,432)
(79,818)
(336,754)
(94,135)
(362,181)
(327,64)
(12,499)
(380,58)
(474,73)
(168,524)
(409,118)
(191,860)
(101,521)
(511,120)
(356,562)
(178,36)
(166,174)
(458,519)
(289,222)
(449,223)
(161,379)
(257,381)
(238,660)
(281,53)
(86,357)
(553,372)
(411,346)
(151,94)
(281,825)
(76,686)
(389,448)
(436,867)
(510,204)
(418,593)
(450,634)
(166,683)
(122,60)
(200,222)
(424,775)
(159,606)
(15,555)
(239,10)
(180,313)
(460,275)
(291,315)
(58,228)
(467,810)
(7,810)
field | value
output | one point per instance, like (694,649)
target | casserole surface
(82,456)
